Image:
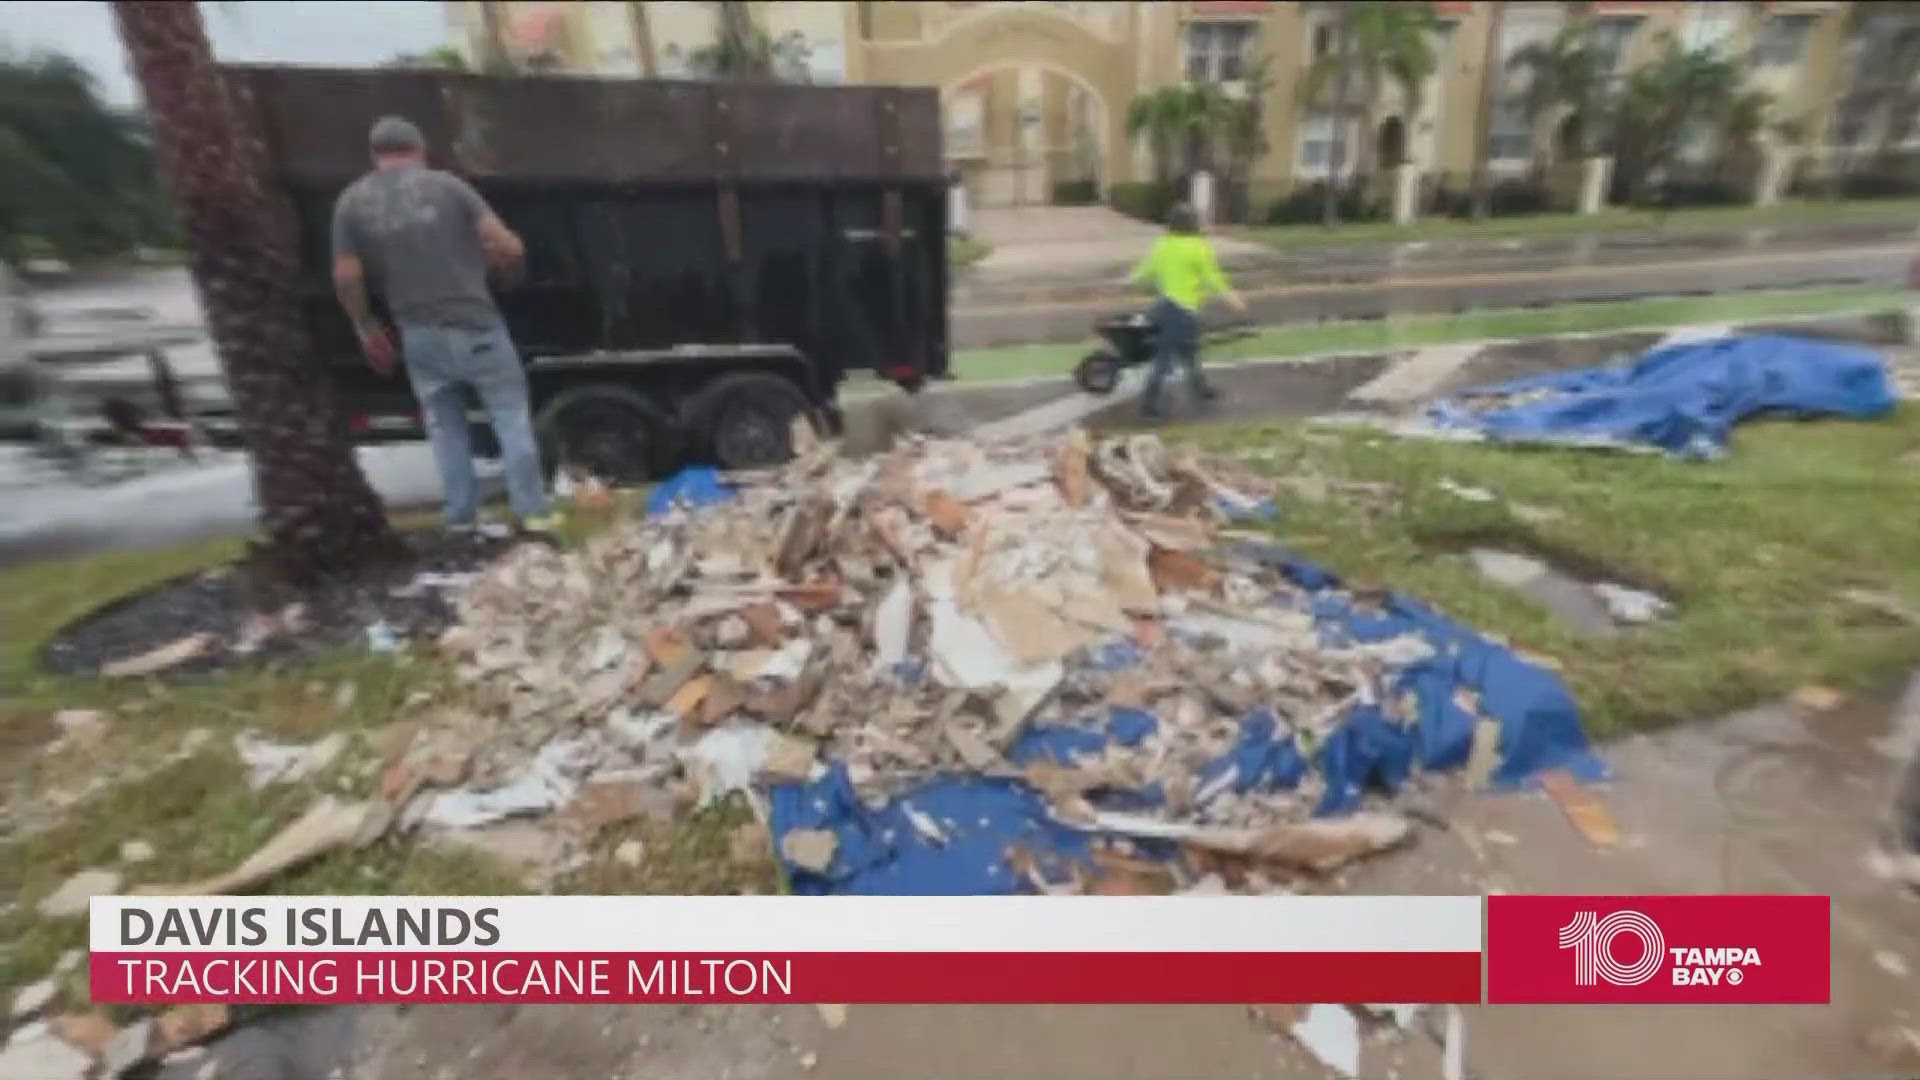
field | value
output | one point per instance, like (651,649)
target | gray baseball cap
(395,135)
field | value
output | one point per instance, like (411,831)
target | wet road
(1300,283)
(1374,280)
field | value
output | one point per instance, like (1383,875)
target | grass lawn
(1753,550)
(1056,358)
(196,809)
(964,251)
(1793,212)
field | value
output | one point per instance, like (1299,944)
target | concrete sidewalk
(1047,245)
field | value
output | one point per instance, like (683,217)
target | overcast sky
(289,31)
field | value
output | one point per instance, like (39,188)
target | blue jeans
(442,362)
(1177,343)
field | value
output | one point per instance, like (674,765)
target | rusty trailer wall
(549,129)
(656,214)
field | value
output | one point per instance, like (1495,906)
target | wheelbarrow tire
(1098,373)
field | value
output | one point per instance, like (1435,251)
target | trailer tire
(1098,373)
(610,431)
(745,420)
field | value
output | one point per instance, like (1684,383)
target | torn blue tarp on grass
(1682,398)
(980,820)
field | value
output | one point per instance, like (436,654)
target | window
(1322,40)
(1316,144)
(1849,124)
(1611,37)
(1783,40)
(1217,51)
(1709,26)
(1511,137)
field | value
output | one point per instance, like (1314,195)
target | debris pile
(1061,618)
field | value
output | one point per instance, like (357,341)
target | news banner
(853,949)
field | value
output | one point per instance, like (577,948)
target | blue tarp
(1683,398)
(880,852)
(979,821)
(694,486)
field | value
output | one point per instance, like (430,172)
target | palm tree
(1171,119)
(80,173)
(1490,86)
(1379,43)
(740,50)
(319,514)
(643,52)
(493,40)
(1678,95)
(1243,129)
(1568,72)
(743,50)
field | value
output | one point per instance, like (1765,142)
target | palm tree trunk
(737,41)
(1337,153)
(642,39)
(1491,78)
(319,514)
(493,46)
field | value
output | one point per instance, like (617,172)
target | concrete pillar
(1776,168)
(1031,135)
(1200,193)
(1406,193)
(957,204)
(1595,174)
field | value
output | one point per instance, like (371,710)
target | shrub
(1680,192)
(1147,200)
(1878,184)
(1505,198)
(1076,192)
(1307,204)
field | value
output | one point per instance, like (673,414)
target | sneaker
(483,530)
(544,523)
(1206,392)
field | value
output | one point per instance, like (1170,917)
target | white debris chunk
(1332,1035)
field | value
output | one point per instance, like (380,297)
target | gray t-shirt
(417,230)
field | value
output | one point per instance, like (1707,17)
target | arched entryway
(1021,132)
(1390,143)
(1569,139)
(1034,96)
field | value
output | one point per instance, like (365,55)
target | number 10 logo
(1591,939)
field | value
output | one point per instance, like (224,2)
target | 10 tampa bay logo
(1642,953)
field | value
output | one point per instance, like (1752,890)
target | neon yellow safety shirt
(1183,269)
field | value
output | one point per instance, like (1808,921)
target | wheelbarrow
(1130,341)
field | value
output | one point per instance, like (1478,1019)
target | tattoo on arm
(350,285)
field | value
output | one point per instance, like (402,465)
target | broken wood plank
(1583,810)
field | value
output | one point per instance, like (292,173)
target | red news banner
(850,949)
(958,949)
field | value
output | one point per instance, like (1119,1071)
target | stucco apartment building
(1037,92)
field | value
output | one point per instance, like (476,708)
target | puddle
(1596,607)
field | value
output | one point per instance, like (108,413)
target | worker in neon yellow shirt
(1184,273)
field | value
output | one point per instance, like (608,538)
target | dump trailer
(705,261)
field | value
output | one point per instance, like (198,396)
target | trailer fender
(677,374)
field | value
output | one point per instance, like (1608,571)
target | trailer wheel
(609,431)
(1099,373)
(746,419)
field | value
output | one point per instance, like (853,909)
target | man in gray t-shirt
(425,239)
